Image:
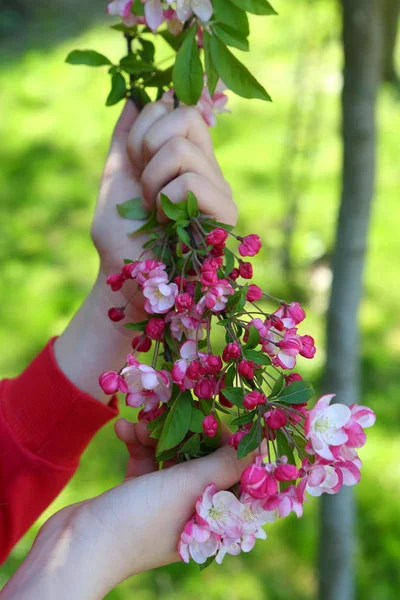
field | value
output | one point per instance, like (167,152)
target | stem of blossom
(131,95)
(156,353)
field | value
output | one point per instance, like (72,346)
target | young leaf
(183,235)
(296,393)
(234,395)
(192,205)
(132,64)
(90,58)
(150,224)
(256,7)
(234,74)
(257,356)
(207,563)
(159,79)
(229,14)
(187,74)
(231,37)
(230,376)
(229,261)
(249,442)
(254,337)
(136,326)
(118,89)
(276,390)
(176,424)
(132,209)
(244,419)
(175,212)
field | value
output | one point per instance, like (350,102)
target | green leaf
(196,421)
(152,425)
(175,212)
(244,419)
(229,261)
(192,446)
(276,390)
(257,356)
(211,72)
(249,442)
(187,74)
(171,342)
(192,205)
(230,376)
(137,8)
(132,64)
(118,89)
(167,454)
(283,447)
(132,209)
(176,424)
(206,564)
(256,7)
(148,50)
(234,395)
(183,235)
(159,79)
(150,224)
(90,58)
(238,299)
(174,41)
(234,74)
(229,14)
(254,337)
(296,393)
(136,326)
(231,37)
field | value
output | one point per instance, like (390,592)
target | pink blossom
(286,472)
(292,377)
(288,348)
(254,293)
(290,314)
(290,500)
(253,399)
(220,510)
(210,106)
(361,416)
(153,12)
(111,383)
(155,328)
(201,8)
(260,326)
(250,245)
(325,426)
(257,482)
(235,438)
(307,346)
(116,314)
(122,8)
(146,386)
(141,343)
(148,268)
(183,324)
(210,426)
(218,296)
(188,352)
(197,542)
(183,302)
(160,296)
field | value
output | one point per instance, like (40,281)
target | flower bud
(111,382)
(115,281)
(183,302)
(210,426)
(254,293)
(253,399)
(250,245)
(141,343)
(217,237)
(236,437)
(116,314)
(234,274)
(258,483)
(212,364)
(204,389)
(286,472)
(155,328)
(231,351)
(308,346)
(275,418)
(292,377)
(195,370)
(246,369)
(245,270)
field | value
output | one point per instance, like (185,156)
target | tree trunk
(362,61)
(390,22)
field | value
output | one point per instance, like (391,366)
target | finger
(134,433)
(142,458)
(117,159)
(185,122)
(212,201)
(151,114)
(176,157)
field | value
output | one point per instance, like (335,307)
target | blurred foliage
(54,134)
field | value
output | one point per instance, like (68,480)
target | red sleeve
(46,422)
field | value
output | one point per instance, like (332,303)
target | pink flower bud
(250,245)
(258,483)
(183,302)
(210,426)
(245,270)
(128,269)
(275,418)
(277,323)
(116,314)
(253,399)
(111,382)
(234,274)
(141,343)
(152,414)
(195,370)
(286,472)
(246,369)
(212,364)
(292,377)
(236,437)
(308,346)
(209,278)
(115,281)
(217,237)
(155,328)
(204,389)
(254,293)
(231,351)
(212,264)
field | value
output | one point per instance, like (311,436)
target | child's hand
(151,152)
(87,549)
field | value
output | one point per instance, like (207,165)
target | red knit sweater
(46,422)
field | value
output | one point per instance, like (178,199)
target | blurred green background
(54,134)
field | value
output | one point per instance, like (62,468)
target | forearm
(92,343)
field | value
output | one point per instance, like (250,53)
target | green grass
(55,131)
